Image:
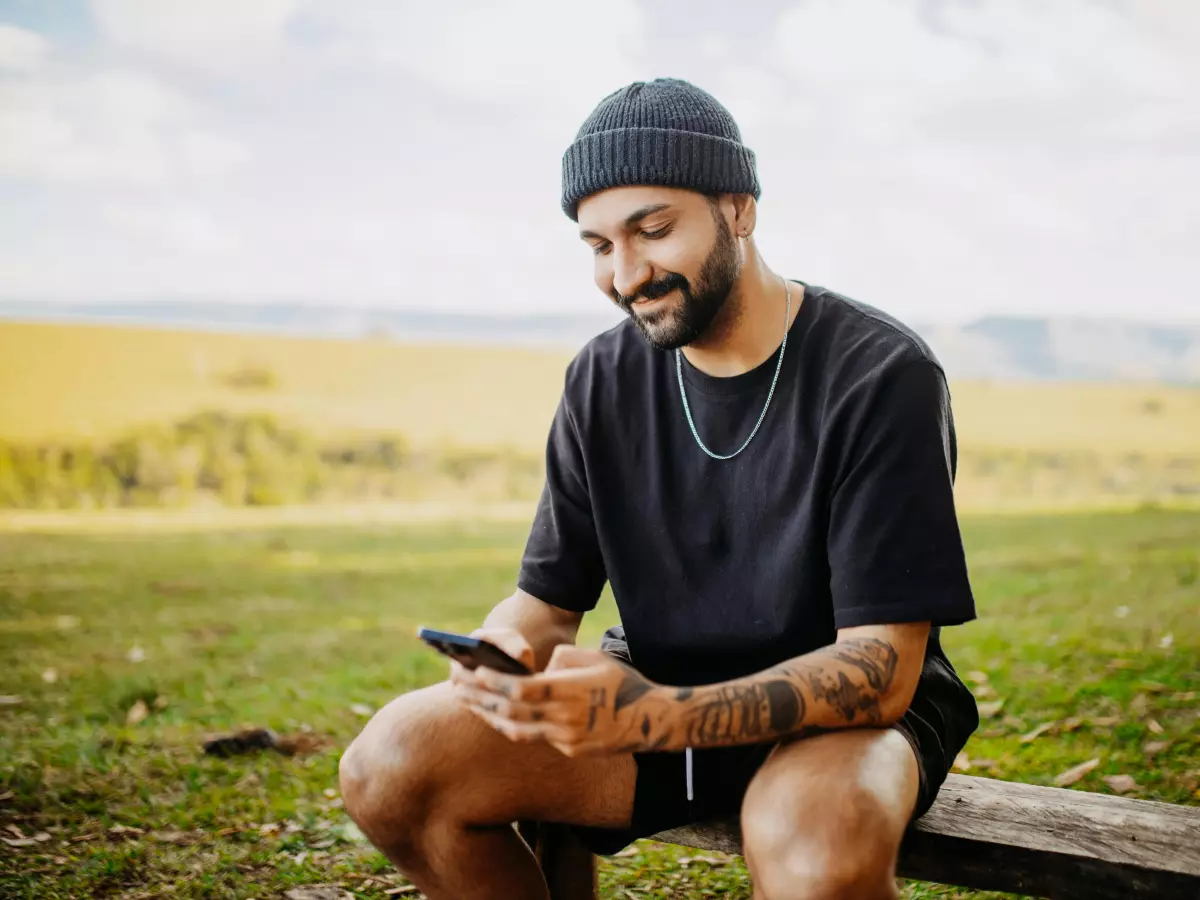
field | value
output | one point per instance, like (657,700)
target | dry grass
(1023,445)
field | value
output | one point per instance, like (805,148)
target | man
(762,470)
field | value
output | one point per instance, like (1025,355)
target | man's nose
(630,272)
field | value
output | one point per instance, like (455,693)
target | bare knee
(834,845)
(388,774)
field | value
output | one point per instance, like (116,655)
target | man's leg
(437,791)
(824,816)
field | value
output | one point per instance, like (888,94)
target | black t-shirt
(840,512)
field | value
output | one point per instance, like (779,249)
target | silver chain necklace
(787,317)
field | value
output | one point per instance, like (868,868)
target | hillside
(1022,443)
(996,347)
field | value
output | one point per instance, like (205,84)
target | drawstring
(687,765)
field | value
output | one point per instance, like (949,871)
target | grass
(1088,622)
(1022,445)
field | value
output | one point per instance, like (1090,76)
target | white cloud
(544,57)
(189,231)
(105,126)
(213,35)
(20,50)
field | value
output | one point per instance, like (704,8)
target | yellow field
(1020,442)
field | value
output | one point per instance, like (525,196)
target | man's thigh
(426,750)
(825,793)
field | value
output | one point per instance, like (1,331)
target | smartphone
(471,652)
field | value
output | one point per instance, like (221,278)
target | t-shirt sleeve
(563,564)
(895,549)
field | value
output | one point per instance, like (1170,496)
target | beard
(671,327)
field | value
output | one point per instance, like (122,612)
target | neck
(750,326)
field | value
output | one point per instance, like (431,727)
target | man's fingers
(519,731)
(499,705)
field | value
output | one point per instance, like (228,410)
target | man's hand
(585,703)
(509,640)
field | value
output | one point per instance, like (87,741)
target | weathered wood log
(1039,841)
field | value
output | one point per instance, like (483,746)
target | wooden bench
(1038,841)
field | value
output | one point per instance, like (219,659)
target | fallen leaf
(50,675)
(628,851)
(302,744)
(962,762)
(15,831)
(1153,748)
(1121,612)
(1121,783)
(180,838)
(160,702)
(361,709)
(1167,641)
(984,763)
(1072,775)
(1070,724)
(66,623)
(7,795)
(977,676)
(1105,721)
(11,699)
(711,860)
(136,654)
(1154,727)
(40,838)
(317,892)
(1139,705)
(983,691)
(120,829)
(1186,696)
(404,889)
(992,709)
(137,713)
(1037,732)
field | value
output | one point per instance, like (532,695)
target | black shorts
(720,776)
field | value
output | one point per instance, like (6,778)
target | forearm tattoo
(843,684)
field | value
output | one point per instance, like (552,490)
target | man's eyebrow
(630,220)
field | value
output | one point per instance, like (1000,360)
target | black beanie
(667,132)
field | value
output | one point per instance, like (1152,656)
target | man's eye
(655,235)
(601,249)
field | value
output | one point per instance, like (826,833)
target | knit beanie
(666,132)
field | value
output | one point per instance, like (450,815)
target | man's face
(664,255)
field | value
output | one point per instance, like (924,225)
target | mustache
(653,290)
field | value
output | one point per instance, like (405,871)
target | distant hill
(994,347)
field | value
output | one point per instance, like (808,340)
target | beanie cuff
(655,156)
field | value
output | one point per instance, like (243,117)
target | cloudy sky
(938,158)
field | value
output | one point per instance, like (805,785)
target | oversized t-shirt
(840,512)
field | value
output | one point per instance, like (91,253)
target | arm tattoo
(632,688)
(836,686)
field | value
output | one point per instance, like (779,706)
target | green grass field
(124,649)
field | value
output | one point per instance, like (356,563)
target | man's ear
(745,214)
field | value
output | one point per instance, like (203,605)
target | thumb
(570,656)
(510,641)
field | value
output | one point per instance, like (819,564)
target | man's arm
(867,678)
(587,702)
(542,625)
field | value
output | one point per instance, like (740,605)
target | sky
(941,159)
